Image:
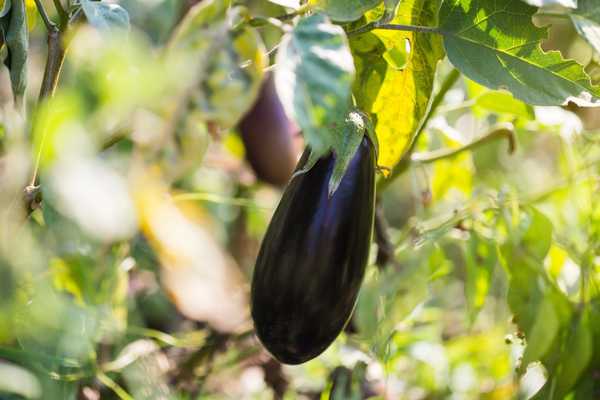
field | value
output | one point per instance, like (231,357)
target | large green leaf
(586,19)
(496,44)
(397,99)
(314,77)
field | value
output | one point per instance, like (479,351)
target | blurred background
(131,279)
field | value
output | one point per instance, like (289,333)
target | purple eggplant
(268,136)
(313,257)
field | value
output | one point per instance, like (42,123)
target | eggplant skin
(313,257)
(268,136)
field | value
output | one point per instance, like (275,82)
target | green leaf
(105,15)
(586,19)
(200,24)
(344,10)
(347,384)
(13,25)
(5,8)
(313,77)
(497,101)
(543,332)
(388,297)
(229,61)
(480,257)
(576,355)
(232,77)
(397,99)
(523,254)
(499,47)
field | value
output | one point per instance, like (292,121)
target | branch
(62,13)
(54,61)
(501,131)
(47,21)
(552,15)
(395,27)
(404,163)
(301,10)
(385,247)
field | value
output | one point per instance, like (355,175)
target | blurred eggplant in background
(268,136)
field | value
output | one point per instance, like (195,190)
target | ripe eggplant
(268,136)
(313,257)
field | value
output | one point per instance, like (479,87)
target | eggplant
(312,259)
(268,136)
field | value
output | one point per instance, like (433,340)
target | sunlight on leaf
(501,49)
(397,99)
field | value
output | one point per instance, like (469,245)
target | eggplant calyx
(348,139)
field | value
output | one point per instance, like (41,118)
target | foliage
(130,221)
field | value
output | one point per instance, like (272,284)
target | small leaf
(397,99)
(499,47)
(344,10)
(586,19)
(105,16)
(313,77)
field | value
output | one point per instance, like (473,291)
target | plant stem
(405,162)
(385,247)
(114,386)
(395,27)
(301,10)
(62,14)
(47,21)
(54,61)
(498,132)
(552,15)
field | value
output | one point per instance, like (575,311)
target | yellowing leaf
(397,99)
(200,278)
